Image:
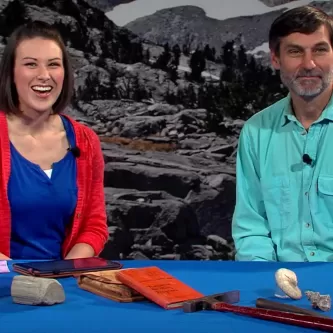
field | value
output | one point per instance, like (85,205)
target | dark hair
(8,92)
(304,19)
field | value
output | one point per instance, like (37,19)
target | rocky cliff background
(168,95)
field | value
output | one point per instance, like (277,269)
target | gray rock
(189,25)
(148,178)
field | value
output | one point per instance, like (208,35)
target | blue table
(84,312)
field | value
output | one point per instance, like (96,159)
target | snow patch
(216,9)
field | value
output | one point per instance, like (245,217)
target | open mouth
(42,90)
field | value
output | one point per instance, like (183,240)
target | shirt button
(307,225)
(312,254)
(306,193)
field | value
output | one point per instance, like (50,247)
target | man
(284,202)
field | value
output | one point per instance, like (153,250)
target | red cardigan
(89,221)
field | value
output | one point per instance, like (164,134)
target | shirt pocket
(325,196)
(277,201)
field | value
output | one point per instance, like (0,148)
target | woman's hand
(80,250)
(3,257)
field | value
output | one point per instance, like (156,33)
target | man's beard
(320,82)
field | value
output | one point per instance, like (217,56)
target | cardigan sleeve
(95,230)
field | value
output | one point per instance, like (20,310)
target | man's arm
(250,229)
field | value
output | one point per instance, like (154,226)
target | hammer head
(206,302)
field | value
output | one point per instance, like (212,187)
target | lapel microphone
(75,151)
(307,159)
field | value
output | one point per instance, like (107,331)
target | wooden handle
(272,305)
(322,324)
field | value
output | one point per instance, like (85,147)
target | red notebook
(158,286)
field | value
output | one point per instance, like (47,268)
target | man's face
(305,63)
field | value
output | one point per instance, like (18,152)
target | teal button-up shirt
(284,207)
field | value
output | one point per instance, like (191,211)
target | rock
(30,290)
(149,191)
(148,178)
(137,255)
(218,243)
(140,126)
(190,25)
(158,223)
(152,218)
(214,207)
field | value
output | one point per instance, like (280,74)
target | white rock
(36,291)
(287,282)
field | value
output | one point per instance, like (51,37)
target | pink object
(3,266)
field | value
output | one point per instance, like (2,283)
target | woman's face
(38,74)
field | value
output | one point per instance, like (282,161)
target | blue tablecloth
(84,312)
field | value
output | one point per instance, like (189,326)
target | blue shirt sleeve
(250,228)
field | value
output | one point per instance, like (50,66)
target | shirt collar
(288,114)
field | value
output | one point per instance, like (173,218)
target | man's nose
(308,61)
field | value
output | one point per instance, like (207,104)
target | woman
(51,167)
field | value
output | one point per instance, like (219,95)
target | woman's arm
(94,231)
(80,250)
(3,257)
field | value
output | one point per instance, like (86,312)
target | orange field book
(158,286)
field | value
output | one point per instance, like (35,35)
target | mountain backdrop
(168,92)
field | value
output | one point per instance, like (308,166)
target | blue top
(284,207)
(41,207)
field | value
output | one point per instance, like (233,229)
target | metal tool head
(206,302)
